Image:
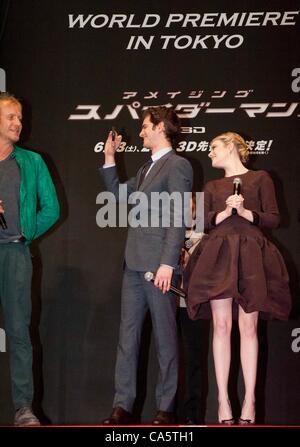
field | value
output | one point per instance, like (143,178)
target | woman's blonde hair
(238,141)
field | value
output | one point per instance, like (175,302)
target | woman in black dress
(236,263)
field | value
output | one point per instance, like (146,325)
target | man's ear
(161,126)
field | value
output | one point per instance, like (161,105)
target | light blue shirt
(155,157)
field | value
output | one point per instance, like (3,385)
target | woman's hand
(236,201)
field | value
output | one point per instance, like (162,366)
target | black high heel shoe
(245,421)
(230,421)
(227,421)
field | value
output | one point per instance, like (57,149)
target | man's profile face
(150,133)
(10,122)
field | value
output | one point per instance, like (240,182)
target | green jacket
(39,207)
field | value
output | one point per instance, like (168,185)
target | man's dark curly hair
(169,118)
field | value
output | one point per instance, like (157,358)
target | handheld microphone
(149,276)
(237,182)
(3,222)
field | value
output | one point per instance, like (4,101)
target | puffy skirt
(247,268)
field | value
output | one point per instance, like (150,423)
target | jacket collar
(158,165)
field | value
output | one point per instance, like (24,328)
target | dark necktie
(145,169)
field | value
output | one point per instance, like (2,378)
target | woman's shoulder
(210,185)
(260,175)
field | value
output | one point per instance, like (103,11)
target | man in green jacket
(28,208)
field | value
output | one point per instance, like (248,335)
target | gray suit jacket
(148,247)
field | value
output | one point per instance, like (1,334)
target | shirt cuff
(213,220)
(255,218)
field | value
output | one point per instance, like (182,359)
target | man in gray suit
(150,248)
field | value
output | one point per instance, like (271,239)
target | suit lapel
(155,170)
(140,172)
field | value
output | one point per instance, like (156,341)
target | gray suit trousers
(138,296)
